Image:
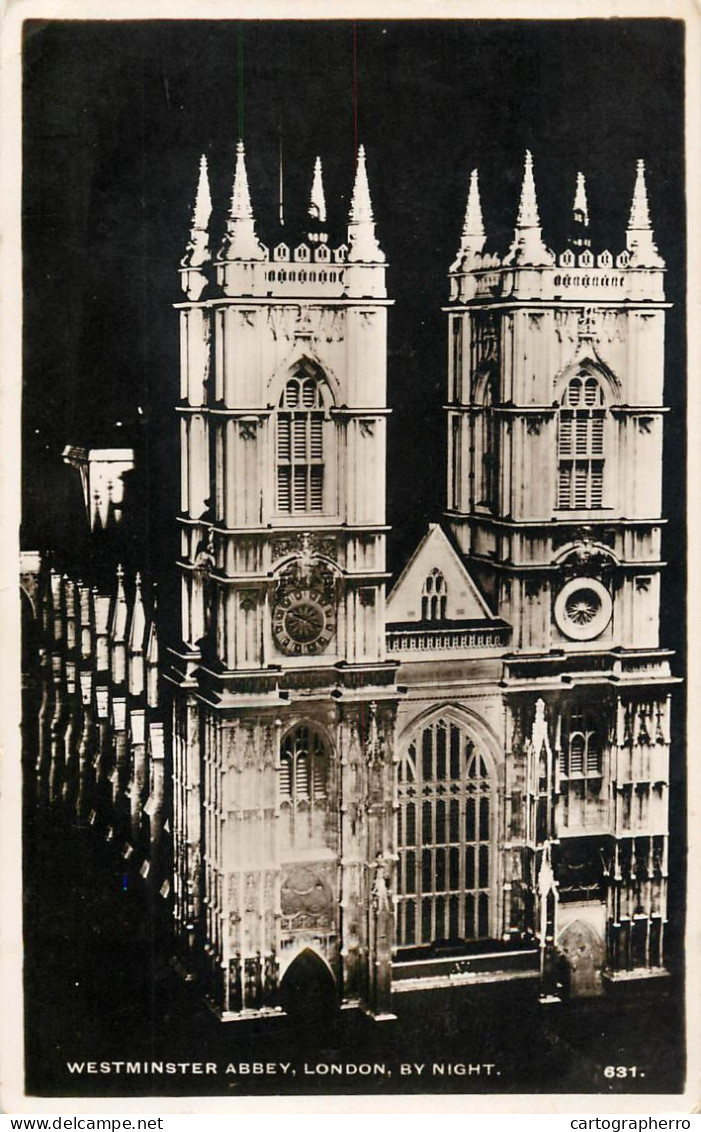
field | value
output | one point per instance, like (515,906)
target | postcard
(352,622)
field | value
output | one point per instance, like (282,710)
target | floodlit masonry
(357,793)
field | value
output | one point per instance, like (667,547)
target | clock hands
(304,622)
(313,619)
(302,625)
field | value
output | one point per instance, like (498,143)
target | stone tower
(555,422)
(283,700)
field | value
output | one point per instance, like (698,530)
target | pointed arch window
(303,787)
(456,461)
(300,444)
(445,825)
(584,799)
(580,445)
(434,598)
(583,745)
(487,450)
(457,359)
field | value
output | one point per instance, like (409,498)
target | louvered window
(593,763)
(584,800)
(580,443)
(445,824)
(302,788)
(582,747)
(300,445)
(576,760)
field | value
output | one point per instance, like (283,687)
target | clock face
(303,622)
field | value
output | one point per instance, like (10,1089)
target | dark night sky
(117,113)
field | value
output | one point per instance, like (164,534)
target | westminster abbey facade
(459,778)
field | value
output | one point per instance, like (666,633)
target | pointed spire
(240,197)
(197,251)
(317,204)
(362,241)
(528,205)
(137,630)
(361,205)
(240,240)
(317,208)
(118,631)
(473,235)
(152,659)
(580,208)
(118,625)
(579,234)
(640,238)
(138,619)
(203,200)
(640,209)
(474,225)
(527,248)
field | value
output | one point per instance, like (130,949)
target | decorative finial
(240,240)
(361,205)
(473,235)
(527,248)
(197,251)
(362,241)
(317,208)
(317,205)
(580,207)
(118,631)
(640,208)
(579,236)
(240,196)
(473,225)
(528,205)
(640,238)
(151,654)
(137,632)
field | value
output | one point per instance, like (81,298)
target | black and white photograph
(352,557)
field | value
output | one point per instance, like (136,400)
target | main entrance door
(584,954)
(308,989)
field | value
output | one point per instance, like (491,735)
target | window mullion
(462,818)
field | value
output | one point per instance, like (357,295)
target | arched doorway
(308,989)
(584,954)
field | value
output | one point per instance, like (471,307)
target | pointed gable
(435,586)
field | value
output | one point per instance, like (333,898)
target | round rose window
(583,609)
